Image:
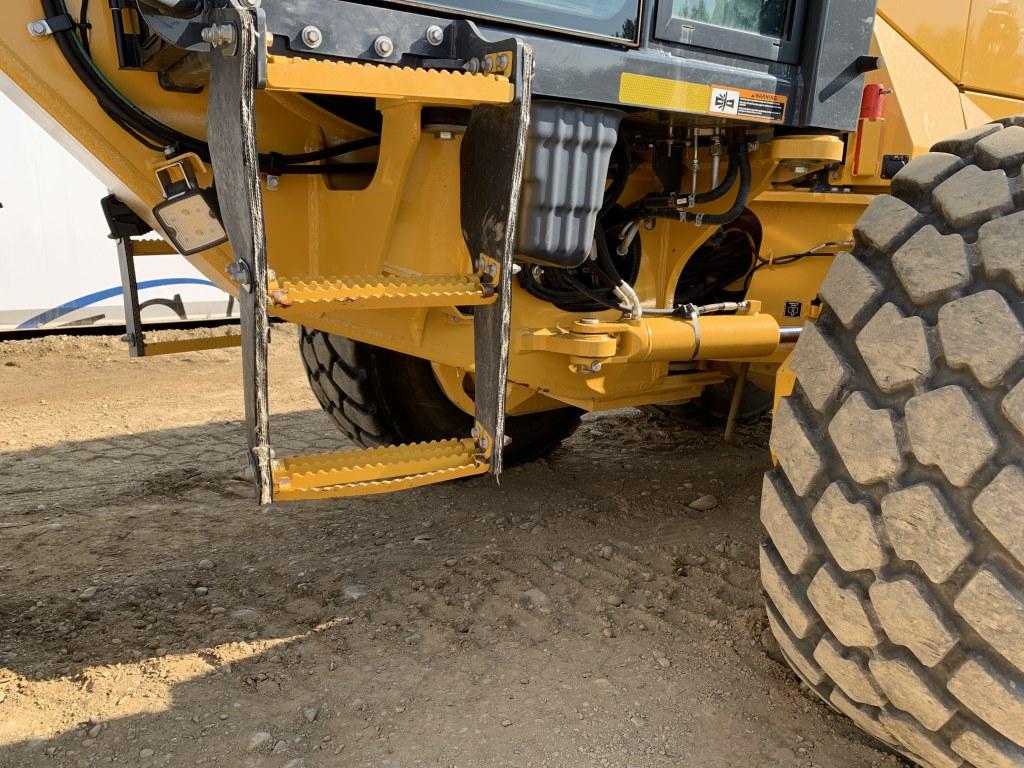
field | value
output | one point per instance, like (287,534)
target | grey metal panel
(567,160)
(838,34)
(823,89)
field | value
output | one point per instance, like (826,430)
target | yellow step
(364,471)
(381,291)
(386,81)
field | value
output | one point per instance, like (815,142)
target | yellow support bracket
(384,81)
(381,291)
(376,470)
(152,348)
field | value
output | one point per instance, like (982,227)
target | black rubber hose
(742,194)
(620,155)
(742,163)
(156,135)
(722,189)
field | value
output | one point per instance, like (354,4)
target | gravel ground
(581,613)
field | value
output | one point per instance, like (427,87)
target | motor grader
(490,218)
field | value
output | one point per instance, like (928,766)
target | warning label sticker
(747,105)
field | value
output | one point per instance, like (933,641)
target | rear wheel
(379,397)
(894,564)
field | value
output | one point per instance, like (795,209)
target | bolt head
(312,36)
(434,34)
(383,46)
(273,182)
(595,366)
(487,65)
(37,28)
(473,66)
(502,61)
(445,135)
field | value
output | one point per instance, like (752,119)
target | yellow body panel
(936,28)
(993,60)
(400,227)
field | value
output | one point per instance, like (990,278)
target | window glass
(604,18)
(762,17)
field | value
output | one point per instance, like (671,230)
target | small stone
(608,632)
(615,600)
(202,591)
(145,754)
(160,652)
(223,715)
(506,723)
(310,713)
(95,730)
(88,742)
(259,740)
(205,564)
(355,591)
(217,610)
(663,662)
(280,747)
(88,593)
(607,552)
(537,598)
(704,503)
(451,562)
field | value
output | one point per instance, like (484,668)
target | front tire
(379,397)
(894,564)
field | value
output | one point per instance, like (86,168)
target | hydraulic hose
(742,194)
(158,136)
(722,189)
(740,161)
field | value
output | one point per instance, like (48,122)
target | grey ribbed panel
(563,186)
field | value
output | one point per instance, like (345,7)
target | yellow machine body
(381,258)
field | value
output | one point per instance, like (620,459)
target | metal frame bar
(130,293)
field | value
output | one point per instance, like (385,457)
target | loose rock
(259,740)
(704,503)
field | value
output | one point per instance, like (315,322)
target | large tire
(894,564)
(379,397)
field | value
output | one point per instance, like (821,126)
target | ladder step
(385,81)
(381,291)
(376,470)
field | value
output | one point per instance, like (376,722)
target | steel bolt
(487,66)
(312,36)
(434,35)
(595,366)
(473,66)
(219,35)
(273,182)
(445,135)
(502,61)
(38,28)
(589,320)
(383,46)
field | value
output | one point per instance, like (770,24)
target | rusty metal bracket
(231,131)
(493,158)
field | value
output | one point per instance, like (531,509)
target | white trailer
(58,267)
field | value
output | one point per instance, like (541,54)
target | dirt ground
(577,614)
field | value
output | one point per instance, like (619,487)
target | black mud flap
(493,157)
(231,132)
